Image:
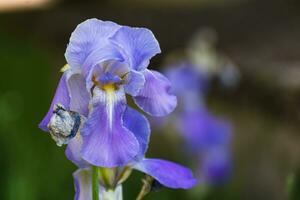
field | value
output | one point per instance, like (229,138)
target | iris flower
(106,63)
(208,138)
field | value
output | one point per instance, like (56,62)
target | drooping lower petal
(62,97)
(138,44)
(155,97)
(167,173)
(139,126)
(106,142)
(83,184)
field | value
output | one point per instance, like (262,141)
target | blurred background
(260,37)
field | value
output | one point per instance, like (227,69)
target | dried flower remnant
(64,124)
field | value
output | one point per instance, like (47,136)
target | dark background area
(260,36)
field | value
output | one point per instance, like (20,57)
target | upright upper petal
(139,126)
(167,173)
(106,142)
(89,43)
(62,97)
(139,45)
(100,55)
(155,97)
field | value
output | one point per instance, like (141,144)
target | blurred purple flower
(207,137)
(107,61)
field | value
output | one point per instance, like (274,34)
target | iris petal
(138,44)
(167,173)
(155,97)
(100,55)
(87,37)
(139,126)
(106,142)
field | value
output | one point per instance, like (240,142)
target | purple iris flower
(207,137)
(89,113)
(106,61)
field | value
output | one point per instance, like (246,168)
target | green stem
(95,183)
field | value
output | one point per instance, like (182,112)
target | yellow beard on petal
(110,87)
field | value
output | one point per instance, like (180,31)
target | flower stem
(95,183)
(146,188)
